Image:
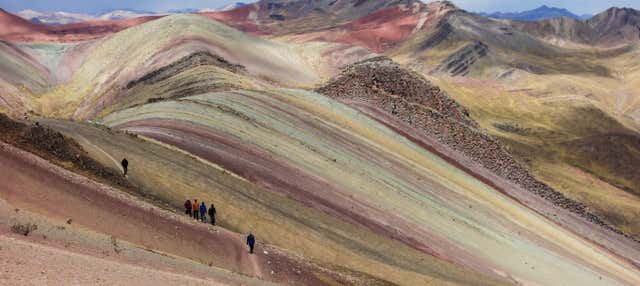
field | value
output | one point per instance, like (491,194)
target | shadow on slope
(615,158)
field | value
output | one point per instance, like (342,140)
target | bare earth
(27,263)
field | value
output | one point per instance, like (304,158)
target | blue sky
(96,6)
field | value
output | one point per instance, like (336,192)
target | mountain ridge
(541,13)
(612,27)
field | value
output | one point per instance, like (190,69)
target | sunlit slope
(169,176)
(337,160)
(133,53)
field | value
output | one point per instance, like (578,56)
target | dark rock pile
(412,99)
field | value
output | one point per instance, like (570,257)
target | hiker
(212,214)
(125,164)
(195,207)
(187,207)
(203,212)
(251,240)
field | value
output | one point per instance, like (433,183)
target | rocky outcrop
(188,62)
(459,63)
(414,100)
(442,32)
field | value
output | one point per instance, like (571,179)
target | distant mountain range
(61,18)
(54,17)
(541,13)
(233,6)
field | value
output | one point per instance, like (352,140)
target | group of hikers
(198,211)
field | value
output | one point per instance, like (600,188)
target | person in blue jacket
(251,241)
(203,212)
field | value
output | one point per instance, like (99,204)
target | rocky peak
(620,16)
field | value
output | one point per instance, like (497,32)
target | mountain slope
(382,85)
(381,30)
(288,17)
(528,87)
(66,191)
(14,25)
(170,174)
(20,77)
(462,43)
(354,168)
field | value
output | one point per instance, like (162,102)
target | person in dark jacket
(251,241)
(203,212)
(212,214)
(187,207)
(125,165)
(195,207)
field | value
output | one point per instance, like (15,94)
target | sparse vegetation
(512,128)
(116,246)
(24,229)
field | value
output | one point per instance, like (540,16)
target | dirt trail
(86,142)
(32,183)
(256,266)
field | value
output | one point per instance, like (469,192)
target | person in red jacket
(187,207)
